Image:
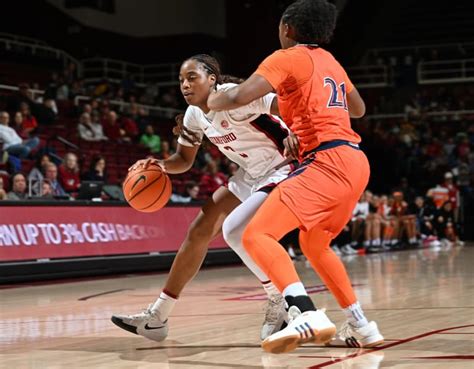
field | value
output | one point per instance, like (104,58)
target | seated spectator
(12,142)
(46,190)
(113,130)
(165,151)
(19,188)
(62,92)
(69,173)
(424,219)
(29,123)
(3,194)
(212,179)
(151,140)
(97,171)
(130,127)
(51,175)
(445,224)
(90,130)
(36,175)
(191,194)
(45,112)
(359,215)
(24,95)
(18,125)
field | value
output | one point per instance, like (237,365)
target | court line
(375,349)
(449,357)
(103,293)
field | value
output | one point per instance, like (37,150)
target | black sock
(302,302)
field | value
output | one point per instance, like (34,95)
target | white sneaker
(310,326)
(275,316)
(348,250)
(350,336)
(336,250)
(146,324)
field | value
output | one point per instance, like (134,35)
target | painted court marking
(369,351)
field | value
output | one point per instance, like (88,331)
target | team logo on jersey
(225,124)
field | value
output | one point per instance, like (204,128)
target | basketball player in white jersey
(258,149)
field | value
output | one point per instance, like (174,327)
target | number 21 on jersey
(337,99)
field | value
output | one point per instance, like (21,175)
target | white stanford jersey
(248,136)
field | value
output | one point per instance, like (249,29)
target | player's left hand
(292,146)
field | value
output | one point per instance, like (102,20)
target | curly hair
(314,21)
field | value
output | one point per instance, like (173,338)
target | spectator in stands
(51,175)
(36,175)
(18,125)
(373,224)
(3,194)
(69,173)
(12,142)
(359,215)
(151,140)
(23,95)
(212,179)
(424,213)
(46,190)
(190,195)
(113,130)
(90,130)
(62,93)
(18,188)
(45,113)
(97,170)
(445,224)
(130,127)
(165,151)
(29,123)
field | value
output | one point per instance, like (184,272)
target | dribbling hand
(145,163)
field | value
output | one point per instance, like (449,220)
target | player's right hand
(292,146)
(145,163)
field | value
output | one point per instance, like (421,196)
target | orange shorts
(324,190)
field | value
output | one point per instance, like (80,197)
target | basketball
(147,190)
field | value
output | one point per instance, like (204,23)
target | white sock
(354,243)
(270,289)
(376,242)
(355,315)
(413,240)
(394,241)
(295,289)
(366,243)
(163,306)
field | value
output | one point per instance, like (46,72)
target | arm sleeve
(191,123)
(276,68)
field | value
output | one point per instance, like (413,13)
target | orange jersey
(311,87)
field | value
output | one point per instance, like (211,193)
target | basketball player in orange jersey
(249,137)
(316,99)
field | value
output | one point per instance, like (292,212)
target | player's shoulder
(225,86)
(193,115)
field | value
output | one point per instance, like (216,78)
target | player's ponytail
(180,130)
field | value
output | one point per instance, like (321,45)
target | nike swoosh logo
(142,177)
(148,328)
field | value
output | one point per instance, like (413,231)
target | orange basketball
(147,190)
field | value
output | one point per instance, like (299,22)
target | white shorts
(242,185)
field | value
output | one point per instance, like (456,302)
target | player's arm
(253,88)
(179,162)
(356,104)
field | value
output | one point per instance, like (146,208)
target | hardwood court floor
(423,301)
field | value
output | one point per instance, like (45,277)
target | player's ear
(289,31)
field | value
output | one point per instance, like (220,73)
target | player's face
(195,83)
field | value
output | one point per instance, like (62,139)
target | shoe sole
(290,343)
